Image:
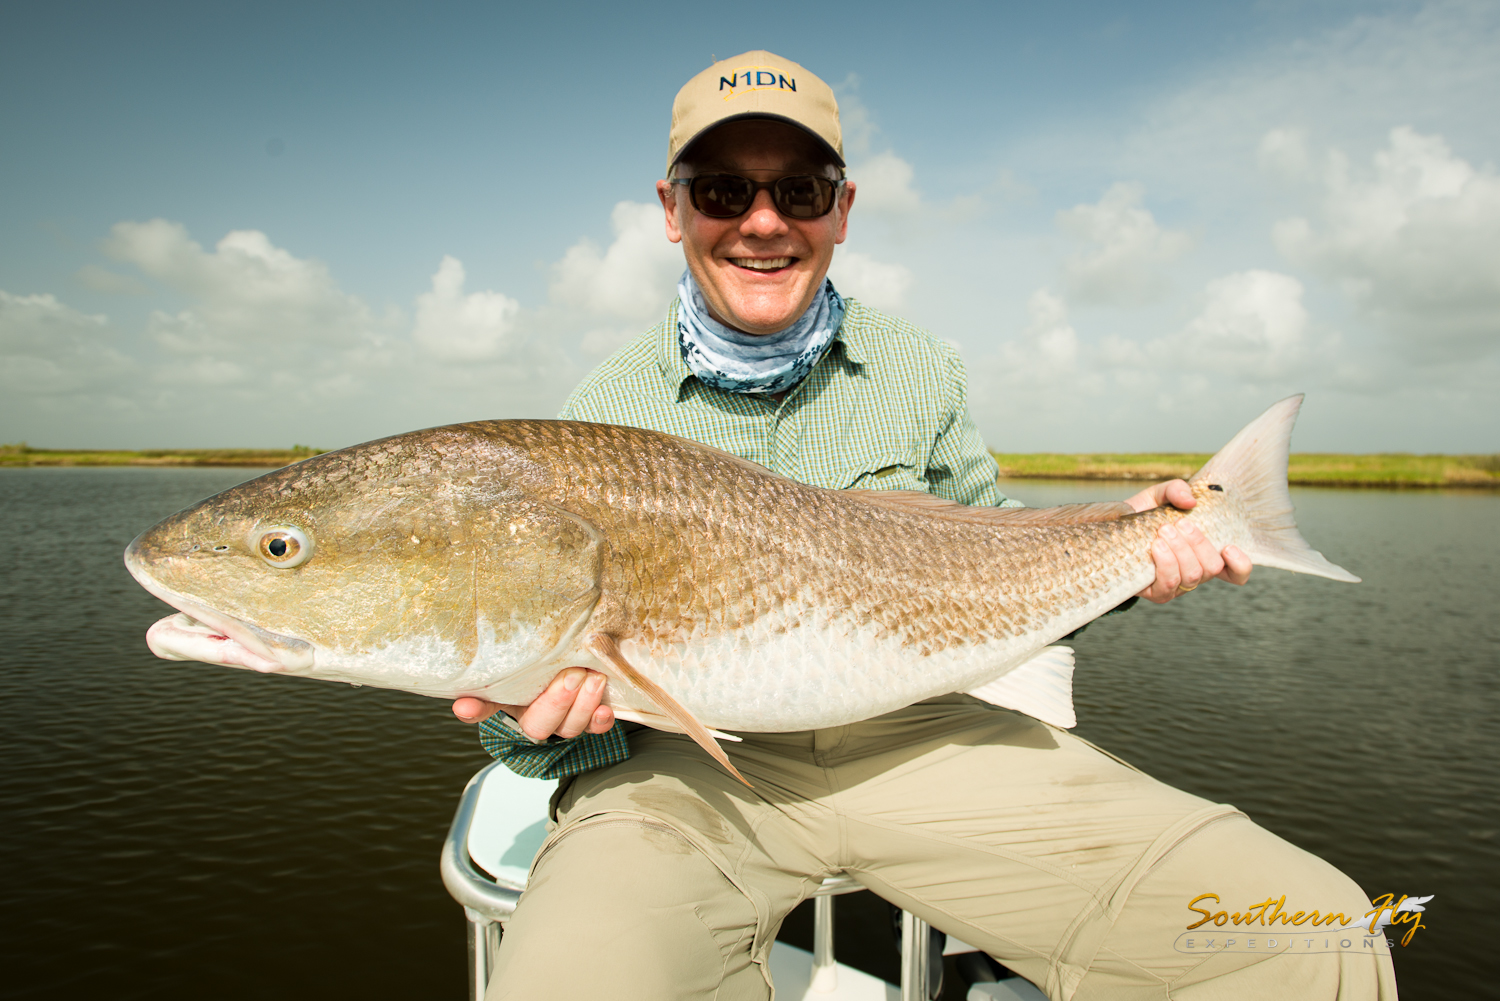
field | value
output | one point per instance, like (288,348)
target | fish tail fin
(1252,467)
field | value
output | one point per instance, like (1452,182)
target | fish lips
(200,633)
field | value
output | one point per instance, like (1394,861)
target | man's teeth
(762,263)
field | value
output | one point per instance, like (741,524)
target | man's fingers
(581,712)
(1206,553)
(547,711)
(1149,498)
(1174,492)
(1164,586)
(472,710)
(1189,570)
(1237,565)
(1178,494)
(603,720)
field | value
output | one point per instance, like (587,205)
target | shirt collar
(849,338)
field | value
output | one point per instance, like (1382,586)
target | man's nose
(762,220)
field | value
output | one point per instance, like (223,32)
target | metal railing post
(492,945)
(914,946)
(825,971)
(485,903)
(479,959)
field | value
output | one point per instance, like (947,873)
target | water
(177,831)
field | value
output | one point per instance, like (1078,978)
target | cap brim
(832,153)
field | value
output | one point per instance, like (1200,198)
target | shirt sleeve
(961,468)
(556,757)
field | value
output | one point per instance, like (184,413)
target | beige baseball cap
(757,84)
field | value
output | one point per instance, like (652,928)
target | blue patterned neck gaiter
(749,363)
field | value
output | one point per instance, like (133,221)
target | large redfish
(480,559)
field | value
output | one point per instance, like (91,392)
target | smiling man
(665,878)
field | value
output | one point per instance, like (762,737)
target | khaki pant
(667,879)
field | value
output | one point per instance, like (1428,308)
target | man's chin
(764,303)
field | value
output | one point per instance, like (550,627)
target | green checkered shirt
(885,408)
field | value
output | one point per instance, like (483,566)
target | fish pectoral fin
(603,646)
(1041,687)
(917,502)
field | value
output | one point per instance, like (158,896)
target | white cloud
(1251,335)
(455,326)
(624,288)
(1253,325)
(1283,152)
(883,186)
(271,332)
(1414,242)
(855,121)
(1126,249)
(246,293)
(97,279)
(1403,230)
(49,349)
(1048,349)
(1046,355)
(877,283)
(1427,63)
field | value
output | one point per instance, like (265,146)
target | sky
(241,225)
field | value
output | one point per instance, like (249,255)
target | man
(666,878)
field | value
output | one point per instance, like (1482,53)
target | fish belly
(781,674)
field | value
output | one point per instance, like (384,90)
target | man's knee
(620,906)
(1252,897)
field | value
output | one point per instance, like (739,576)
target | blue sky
(237,225)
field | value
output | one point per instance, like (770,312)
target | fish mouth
(203,634)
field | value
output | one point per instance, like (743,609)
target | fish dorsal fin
(603,646)
(1041,687)
(917,502)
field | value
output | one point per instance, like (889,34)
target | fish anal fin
(1041,687)
(603,646)
(916,502)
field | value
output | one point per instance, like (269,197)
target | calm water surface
(182,831)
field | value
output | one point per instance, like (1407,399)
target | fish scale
(479,559)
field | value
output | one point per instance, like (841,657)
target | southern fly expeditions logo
(752,78)
(1268,926)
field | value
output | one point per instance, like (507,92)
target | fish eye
(285,547)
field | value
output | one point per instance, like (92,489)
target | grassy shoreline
(1384,470)
(23,455)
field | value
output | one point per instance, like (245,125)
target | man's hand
(568,707)
(1182,553)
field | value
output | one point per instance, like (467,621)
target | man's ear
(846,202)
(666,192)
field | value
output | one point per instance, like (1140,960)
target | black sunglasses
(724,196)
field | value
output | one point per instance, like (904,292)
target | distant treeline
(1392,469)
(21,454)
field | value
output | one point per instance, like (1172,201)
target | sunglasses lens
(722,196)
(804,196)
